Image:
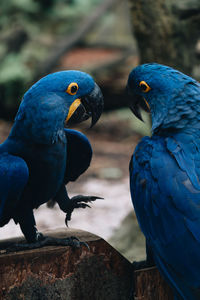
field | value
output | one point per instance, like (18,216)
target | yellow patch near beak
(72,108)
(147,104)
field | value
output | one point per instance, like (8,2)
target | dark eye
(72,88)
(144,86)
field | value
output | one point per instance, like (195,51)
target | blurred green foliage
(142,128)
(29,28)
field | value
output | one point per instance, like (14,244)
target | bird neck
(187,133)
(40,119)
(48,134)
(186,121)
(178,110)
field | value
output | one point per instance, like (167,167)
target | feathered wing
(165,189)
(78,158)
(14,175)
(79,154)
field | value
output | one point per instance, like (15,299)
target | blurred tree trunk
(167,32)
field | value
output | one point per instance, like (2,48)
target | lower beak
(136,103)
(77,113)
(88,106)
(135,107)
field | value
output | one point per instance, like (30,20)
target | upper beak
(136,102)
(88,106)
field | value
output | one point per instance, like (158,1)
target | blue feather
(79,154)
(40,156)
(14,176)
(165,176)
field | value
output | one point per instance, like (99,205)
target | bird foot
(72,241)
(78,201)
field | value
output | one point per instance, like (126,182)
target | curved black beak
(136,102)
(91,105)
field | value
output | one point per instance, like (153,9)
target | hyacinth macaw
(165,174)
(40,156)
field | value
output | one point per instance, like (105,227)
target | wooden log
(149,285)
(65,273)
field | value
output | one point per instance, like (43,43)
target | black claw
(72,241)
(85,244)
(80,198)
(83,205)
(66,221)
(93,198)
(79,201)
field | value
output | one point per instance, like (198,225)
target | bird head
(57,100)
(172,98)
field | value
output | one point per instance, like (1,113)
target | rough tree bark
(167,31)
(64,273)
(149,285)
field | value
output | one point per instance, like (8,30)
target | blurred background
(106,38)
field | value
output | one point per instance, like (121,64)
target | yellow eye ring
(72,88)
(144,86)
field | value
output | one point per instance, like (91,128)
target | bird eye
(72,88)
(144,86)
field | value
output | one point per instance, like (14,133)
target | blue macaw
(40,156)
(165,174)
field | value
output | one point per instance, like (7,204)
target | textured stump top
(62,272)
(65,273)
(83,236)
